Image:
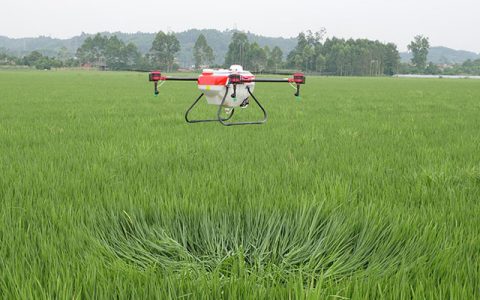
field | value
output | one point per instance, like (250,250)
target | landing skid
(225,121)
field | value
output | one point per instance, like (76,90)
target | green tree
(63,54)
(45,63)
(6,59)
(419,48)
(202,52)
(256,58)
(33,58)
(432,69)
(308,48)
(111,52)
(92,51)
(268,54)
(120,56)
(114,54)
(163,50)
(359,57)
(320,63)
(309,58)
(392,59)
(41,62)
(275,59)
(295,58)
(132,54)
(237,50)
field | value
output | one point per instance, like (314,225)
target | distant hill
(218,40)
(444,55)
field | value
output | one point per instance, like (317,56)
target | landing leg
(208,120)
(223,121)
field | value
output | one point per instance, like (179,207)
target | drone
(228,89)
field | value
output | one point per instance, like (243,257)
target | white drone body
(214,84)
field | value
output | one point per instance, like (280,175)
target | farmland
(365,188)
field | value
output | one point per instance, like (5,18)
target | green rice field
(366,188)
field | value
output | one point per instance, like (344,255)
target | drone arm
(297,79)
(156,76)
(276,80)
(168,78)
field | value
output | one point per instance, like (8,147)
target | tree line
(313,53)
(342,57)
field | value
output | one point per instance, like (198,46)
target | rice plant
(366,188)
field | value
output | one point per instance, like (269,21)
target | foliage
(391,59)
(32,58)
(469,67)
(164,48)
(202,52)
(366,189)
(444,56)
(257,58)
(274,58)
(6,59)
(108,52)
(251,55)
(41,62)
(238,50)
(307,54)
(37,60)
(419,48)
(432,69)
(343,57)
(312,53)
(218,40)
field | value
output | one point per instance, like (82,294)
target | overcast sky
(454,24)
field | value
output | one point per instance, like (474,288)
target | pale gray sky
(454,24)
